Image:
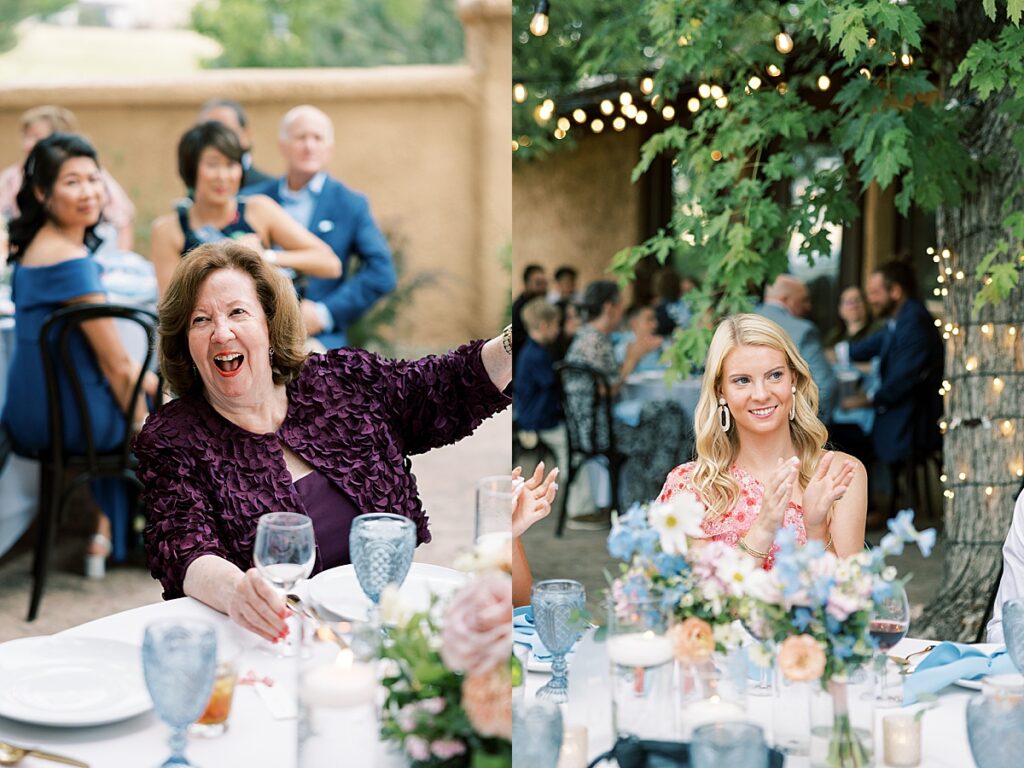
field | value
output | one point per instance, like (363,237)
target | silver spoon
(323,629)
(12,755)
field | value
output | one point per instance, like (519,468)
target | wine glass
(179,659)
(890,621)
(382,547)
(284,553)
(558,606)
(494,502)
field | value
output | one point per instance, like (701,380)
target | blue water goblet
(382,547)
(558,606)
(179,662)
(737,745)
(1013,631)
(536,734)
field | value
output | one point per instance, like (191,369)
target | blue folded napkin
(524,632)
(950,662)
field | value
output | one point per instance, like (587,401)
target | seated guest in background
(564,297)
(339,217)
(230,113)
(672,310)
(1011,584)
(38,123)
(564,290)
(260,426)
(855,321)
(640,324)
(537,402)
(209,162)
(907,402)
(59,205)
(761,459)
(652,434)
(533,499)
(535,283)
(786,302)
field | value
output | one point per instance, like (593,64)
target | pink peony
(801,658)
(487,699)
(418,749)
(447,748)
(477,632)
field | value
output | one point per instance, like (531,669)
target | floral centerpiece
(822,620)
(449,670)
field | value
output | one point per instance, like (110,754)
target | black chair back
(60,327)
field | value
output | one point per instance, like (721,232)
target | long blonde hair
(717,450)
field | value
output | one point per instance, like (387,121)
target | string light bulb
(693,104)
(754,83)
(625,98)
(669,112)
(540,22)
(824,83)
(647,85)
(597,125)
(1006,428)
(774,71)
(579,116)
(641,117)
(971,364)
(519,93)
(722,102)
(716,92)
(607,107)
(997,385)
(619,123)
(704,90)
(564,124)
(783,43)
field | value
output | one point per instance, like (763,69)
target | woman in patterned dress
(762,462)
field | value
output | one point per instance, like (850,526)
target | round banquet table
(254,737)
(944,728)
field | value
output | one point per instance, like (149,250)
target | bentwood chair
(63,472)
(591,405)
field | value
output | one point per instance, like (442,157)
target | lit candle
(902,740)
(713,709)
(639,649)
(339,685)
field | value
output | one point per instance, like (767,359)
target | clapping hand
(824,490)
(778,490)
(532,497)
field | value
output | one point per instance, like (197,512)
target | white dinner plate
(67,681)
(975,685)
(338,590)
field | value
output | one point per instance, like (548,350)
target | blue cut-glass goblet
(1013,631)
(558,606)
(179,661)
(382,547)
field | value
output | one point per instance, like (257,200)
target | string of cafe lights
(1005,424)
(629,110)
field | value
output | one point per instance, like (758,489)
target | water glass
(737,745)
(642,665)
(284,553)
(558,606)
(214,720)
(537,735)
(995,722)
(1013,631)
(493,506)
(382,547)
(179,660)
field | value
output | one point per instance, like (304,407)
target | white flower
(726,635)
(759,655)
(392,610)
(666,520)
(689,509)
(734,571)
(889,573)
(763,586)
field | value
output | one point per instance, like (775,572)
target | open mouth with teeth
(764,412)
(228,363)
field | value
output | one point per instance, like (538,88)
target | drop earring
(724,417)
(271,351)
(792,410)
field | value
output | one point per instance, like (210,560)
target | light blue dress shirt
(300,204)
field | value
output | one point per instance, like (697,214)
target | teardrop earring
(792,410)
(724,417)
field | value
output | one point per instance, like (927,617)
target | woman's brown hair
(276,295)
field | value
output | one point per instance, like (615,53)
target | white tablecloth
(254,739)
(944,734)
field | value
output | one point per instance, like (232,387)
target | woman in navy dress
(50,246)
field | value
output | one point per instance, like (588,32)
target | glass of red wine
(890,621)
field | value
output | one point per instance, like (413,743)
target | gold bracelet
(751,551)
(506,339)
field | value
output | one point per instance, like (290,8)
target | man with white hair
(787,302)
(339,217)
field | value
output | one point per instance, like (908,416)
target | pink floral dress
(734,524)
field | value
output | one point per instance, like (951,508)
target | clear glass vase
(713,691)
(842,724)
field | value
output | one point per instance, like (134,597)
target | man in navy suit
(339,217)
(907,403)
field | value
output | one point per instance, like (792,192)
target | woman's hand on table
(532,497)
(256,606)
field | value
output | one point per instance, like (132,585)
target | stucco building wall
(415,140)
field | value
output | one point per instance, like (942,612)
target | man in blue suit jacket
(339,217)
(907,403)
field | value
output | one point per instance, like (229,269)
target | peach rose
(693,641)
(477,629)
(801,658)
(487,701)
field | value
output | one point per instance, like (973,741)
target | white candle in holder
(339,685)
(713,709)
(640,649)
(901,737)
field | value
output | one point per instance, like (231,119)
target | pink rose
(417,748)
(434,706)
(487,699)
(477,632)
(447,748)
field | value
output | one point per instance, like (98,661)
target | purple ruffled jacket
(352,415)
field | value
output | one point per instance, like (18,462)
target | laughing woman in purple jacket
(259,426)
